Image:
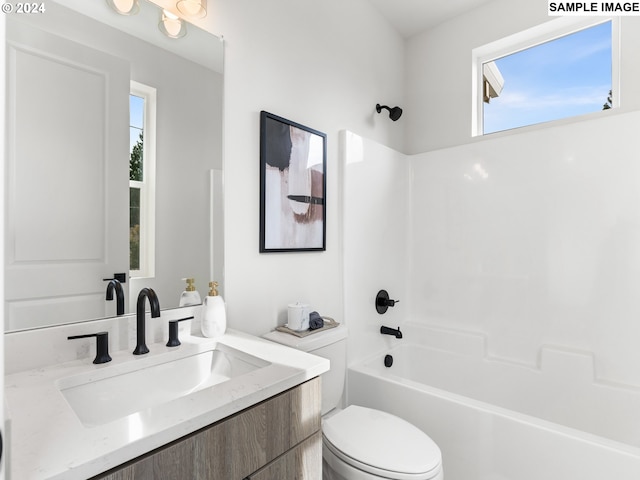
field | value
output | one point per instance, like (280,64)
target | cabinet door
(68,179)
(303,462)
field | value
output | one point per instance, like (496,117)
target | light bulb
(192,8)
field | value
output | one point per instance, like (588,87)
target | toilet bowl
(360,443)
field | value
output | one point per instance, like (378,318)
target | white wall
(322,64)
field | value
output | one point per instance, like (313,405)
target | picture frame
(293,160)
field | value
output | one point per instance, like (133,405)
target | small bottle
(214,315)
(190,296)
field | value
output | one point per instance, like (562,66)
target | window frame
(148,185)
(532,37)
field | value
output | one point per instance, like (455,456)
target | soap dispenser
(214,316)
(190,296)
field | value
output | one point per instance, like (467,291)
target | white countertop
(48,441)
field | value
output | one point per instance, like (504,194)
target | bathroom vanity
(240,407)
(277,439)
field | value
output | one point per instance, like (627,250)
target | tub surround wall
(534,239)
(522,255)
(459,362)
(376,240)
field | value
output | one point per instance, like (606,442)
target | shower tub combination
(499,420)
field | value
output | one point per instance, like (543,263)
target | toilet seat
(382,444)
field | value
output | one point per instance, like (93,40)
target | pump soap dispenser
(190,296)
(214,317)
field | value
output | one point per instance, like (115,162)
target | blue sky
(136,119)
(562,78)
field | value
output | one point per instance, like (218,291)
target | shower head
(394,113)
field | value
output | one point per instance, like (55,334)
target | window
(142,103)
(561,73)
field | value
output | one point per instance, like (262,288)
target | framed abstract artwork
(293,161)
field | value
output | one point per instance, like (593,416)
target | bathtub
(498,420)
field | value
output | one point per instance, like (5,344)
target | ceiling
(415,16)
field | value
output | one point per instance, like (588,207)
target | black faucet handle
(121,277)
(383,302)
(173,331)
(102,345)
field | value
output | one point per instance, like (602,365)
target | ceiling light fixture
(124,7)
(192,8)
(172,25)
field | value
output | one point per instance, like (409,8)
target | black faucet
(391,331)
(115,285)
(141,346)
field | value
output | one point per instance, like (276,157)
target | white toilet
(362,443)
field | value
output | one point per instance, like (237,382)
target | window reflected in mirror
(141,180)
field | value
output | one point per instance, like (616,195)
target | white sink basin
(103,396)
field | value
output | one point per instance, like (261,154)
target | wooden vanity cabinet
(277,439)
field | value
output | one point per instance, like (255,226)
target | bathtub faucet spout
(391,331)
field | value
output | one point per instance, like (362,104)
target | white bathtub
(497,420)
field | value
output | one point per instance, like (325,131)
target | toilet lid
(376,441)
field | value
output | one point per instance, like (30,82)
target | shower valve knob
(383,302)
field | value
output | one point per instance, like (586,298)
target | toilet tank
(330,344)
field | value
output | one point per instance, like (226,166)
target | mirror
(69,74)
